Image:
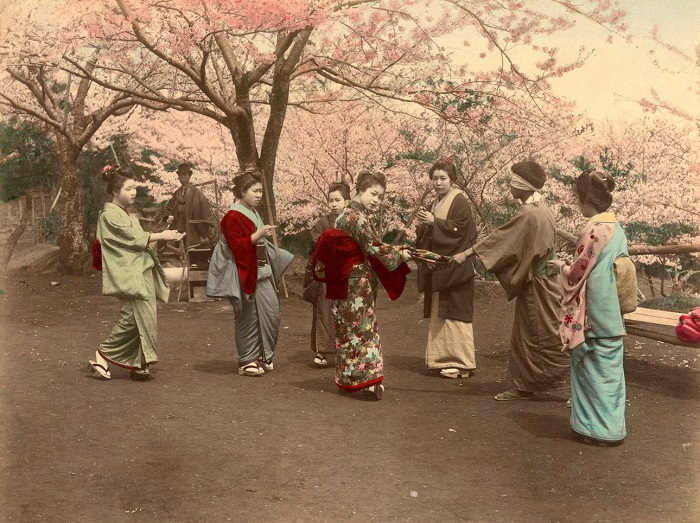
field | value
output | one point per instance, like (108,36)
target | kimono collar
(251,214)
(603,217)
(535,197)
(108,204)
(357,206)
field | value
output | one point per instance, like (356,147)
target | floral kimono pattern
(359,361)
(594,238)
(592,328)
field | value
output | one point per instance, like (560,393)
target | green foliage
(28,159)
(416,151)
(643,232)
(624,175)
(462,100)
(498,213)
(674,303)
(299,243)
(564,178)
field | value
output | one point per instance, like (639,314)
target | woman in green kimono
(131,272)
(517,252)
(446,229)
(592,327)
(359,362)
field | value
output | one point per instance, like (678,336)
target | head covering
(530,173)
(184,168)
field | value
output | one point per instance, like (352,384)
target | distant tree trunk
(72,246)
(16,233)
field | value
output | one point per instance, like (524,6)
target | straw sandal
(514,394)
(251,369)
(99,371)
(140,374)
(453,373)
(320,360)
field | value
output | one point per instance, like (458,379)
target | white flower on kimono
(356,304)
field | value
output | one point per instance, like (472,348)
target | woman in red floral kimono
(358,265)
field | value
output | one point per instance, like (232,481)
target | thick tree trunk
(16,234)
(72,245)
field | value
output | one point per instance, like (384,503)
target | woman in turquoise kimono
(126,254)
(245,268)
(358,363)
(592,326)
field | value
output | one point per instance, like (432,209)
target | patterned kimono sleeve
(370,244)
(574,319)
(589,246)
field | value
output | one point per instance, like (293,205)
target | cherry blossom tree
(34,86)
(245,64)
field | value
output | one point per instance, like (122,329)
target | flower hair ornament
(106,169)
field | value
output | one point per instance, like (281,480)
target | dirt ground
(198,443)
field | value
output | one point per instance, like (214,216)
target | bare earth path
(198,443)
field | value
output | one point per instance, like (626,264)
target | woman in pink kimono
(126,254)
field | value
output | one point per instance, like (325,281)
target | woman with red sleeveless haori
(245,268)
(351,260)
(592,326)
(448,228)
(517,252)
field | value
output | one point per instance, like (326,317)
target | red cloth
(96,255)
(237,229)
(688,328)
(335,255)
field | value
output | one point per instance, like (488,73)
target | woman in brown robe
(323,322)
(517,252)
(447,229)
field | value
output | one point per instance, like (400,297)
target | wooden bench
(655,325)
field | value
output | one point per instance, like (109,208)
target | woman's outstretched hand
(463,256)
(167,235)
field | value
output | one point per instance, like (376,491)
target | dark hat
(530,171)
(184,168)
